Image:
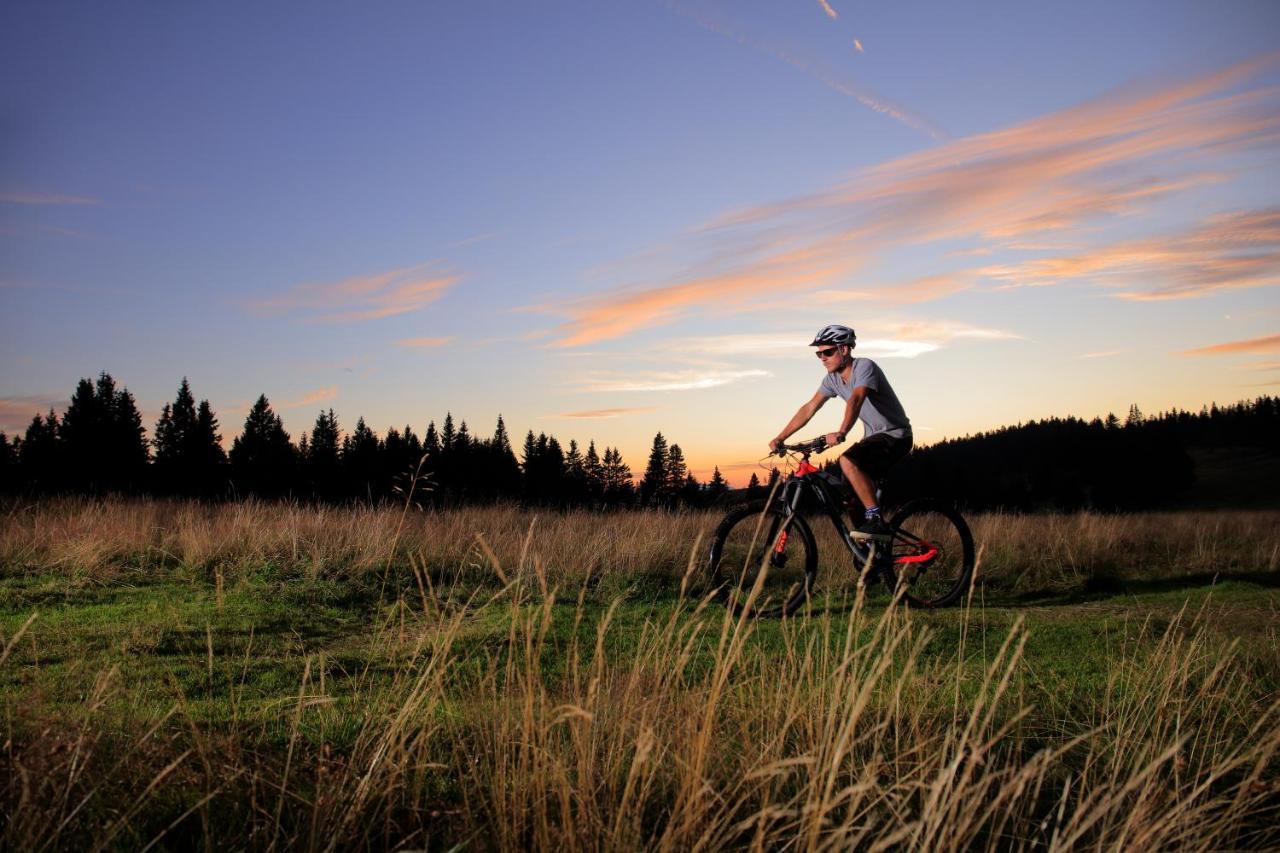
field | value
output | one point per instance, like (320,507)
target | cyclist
(868,396)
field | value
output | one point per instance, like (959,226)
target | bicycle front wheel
(763,559)
(932,553)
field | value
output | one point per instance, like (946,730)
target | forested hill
(1217,457)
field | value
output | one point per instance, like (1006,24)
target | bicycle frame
(807,485)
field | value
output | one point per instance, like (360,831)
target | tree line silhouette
(99,446)
(1071,464)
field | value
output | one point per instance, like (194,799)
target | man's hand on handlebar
(774,445)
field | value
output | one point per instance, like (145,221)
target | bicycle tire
(737,555)
(933,553)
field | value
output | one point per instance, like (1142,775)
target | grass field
(257,676)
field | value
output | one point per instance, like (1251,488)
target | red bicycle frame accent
(929,554)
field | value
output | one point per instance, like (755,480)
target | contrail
(826,75)
(826,7)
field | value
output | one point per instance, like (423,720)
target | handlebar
(813,445)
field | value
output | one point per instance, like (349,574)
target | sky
(602,220)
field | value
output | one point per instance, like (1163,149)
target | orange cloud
(319,395)
(424,342)
(592,414)
(1226,251)
(370,297)
(16,412)
(1048,174)
(826,7)
(620,313)
(1269,343)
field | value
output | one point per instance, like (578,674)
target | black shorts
(876,454)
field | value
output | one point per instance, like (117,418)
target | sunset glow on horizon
(605,222)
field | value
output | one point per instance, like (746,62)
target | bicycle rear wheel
(765,547)
(932,553)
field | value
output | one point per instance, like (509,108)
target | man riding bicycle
(868,396)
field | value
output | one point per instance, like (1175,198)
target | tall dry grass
(100,539)
(697,740)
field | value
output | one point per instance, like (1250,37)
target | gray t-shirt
(881,411)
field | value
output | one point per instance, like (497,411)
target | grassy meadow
(177,675)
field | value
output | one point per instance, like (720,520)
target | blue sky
(607,219)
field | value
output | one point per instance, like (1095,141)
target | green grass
(247,700)
(242,660)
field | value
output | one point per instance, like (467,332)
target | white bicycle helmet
(835,334)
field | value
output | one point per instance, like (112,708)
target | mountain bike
(764,558)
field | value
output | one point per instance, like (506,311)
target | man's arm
(799,419)
(851,409)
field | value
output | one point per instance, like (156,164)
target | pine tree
(8,464)
(504,470)
(175,430)
(361,462)
(677,470)
(716,486)
(206,441)
(262,458)
(753,486)
(448,435)
(40,454)
(654,484)
(593,470)
(431,446)
(619,488)
(102,437)
(575,475)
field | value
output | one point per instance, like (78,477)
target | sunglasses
(826,353)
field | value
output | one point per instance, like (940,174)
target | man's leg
(863,486)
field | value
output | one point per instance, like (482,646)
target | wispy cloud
(1111,156)
(1226,251)
(716,20)
(826,7)
(857,45)
(1267,343)
(671,380)
(320,395)
(892,339)
(368,297)
(618,313)
(1106,354)
(925,289)
(46,199)
(16,412)
(594,414)
(424,342)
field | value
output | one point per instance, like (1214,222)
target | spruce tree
(503,469)
(677,471)
(40,454)
(716,486)
(102,438)
(262,457)
(361,461)
(206,441)
(593,469)
(8,465)
(653,486)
